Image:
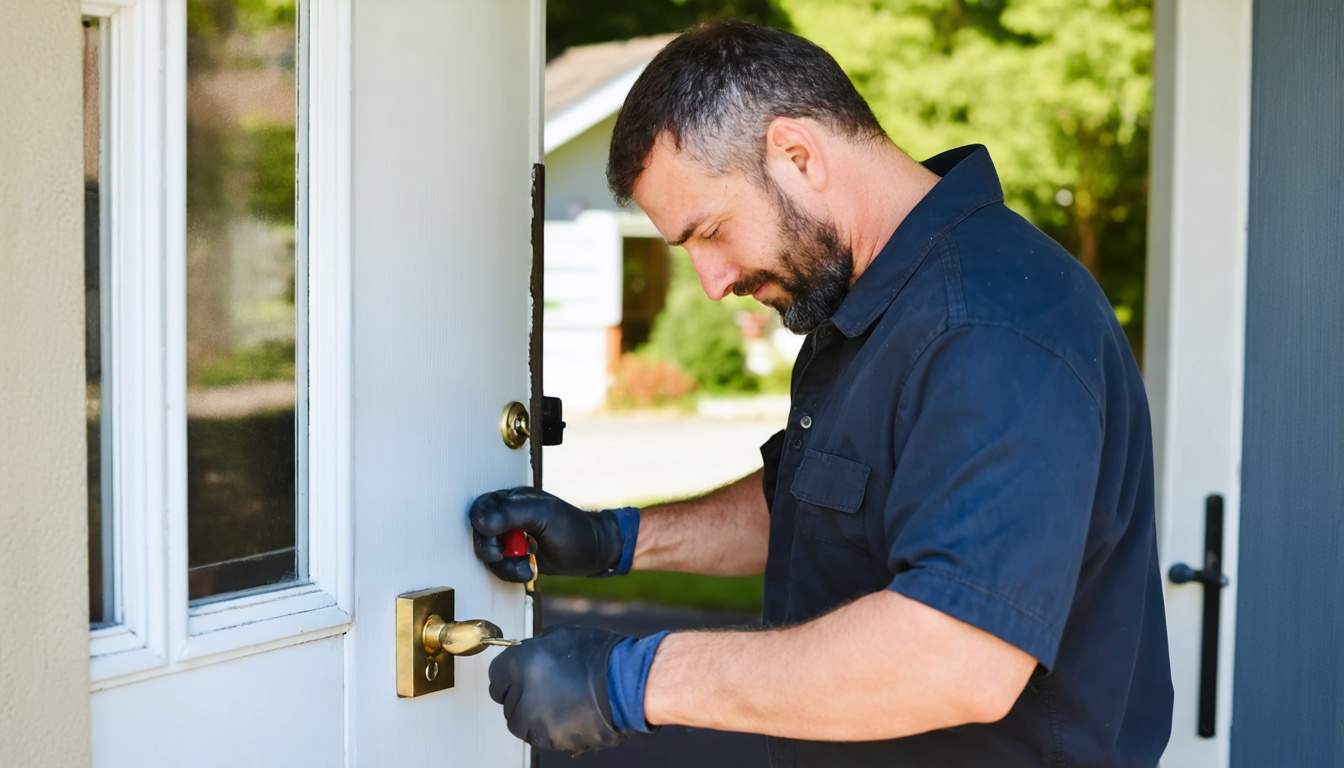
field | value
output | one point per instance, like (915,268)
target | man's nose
(717,275)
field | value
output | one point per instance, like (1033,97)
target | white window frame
(158,630)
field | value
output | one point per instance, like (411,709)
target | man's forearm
(723,533)
(881,667)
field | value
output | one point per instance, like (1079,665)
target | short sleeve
(998,451)
(770,453)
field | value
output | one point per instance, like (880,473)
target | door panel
(1289,684)
(283,707)
(441,179)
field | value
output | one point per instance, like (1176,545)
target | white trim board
(1196,321)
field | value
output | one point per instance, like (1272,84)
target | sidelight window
(217,343)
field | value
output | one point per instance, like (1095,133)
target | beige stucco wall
(44,695)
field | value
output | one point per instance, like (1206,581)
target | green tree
(580,22)
(1059,90)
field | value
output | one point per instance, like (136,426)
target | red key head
(514,543)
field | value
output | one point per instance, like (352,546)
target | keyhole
(431,670)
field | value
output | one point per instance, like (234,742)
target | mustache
(748,284)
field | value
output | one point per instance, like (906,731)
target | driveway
(610,459)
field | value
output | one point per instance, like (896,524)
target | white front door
(302,367)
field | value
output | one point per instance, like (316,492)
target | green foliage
(217,19)
(269,361)
(699,336)
(719,593)
(1059,90)
(270,150)
(580,22)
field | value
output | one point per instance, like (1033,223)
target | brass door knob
(513,425)
(461,638)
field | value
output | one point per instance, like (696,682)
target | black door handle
(1213,579)
(1181,573)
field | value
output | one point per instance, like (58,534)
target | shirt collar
(968,183)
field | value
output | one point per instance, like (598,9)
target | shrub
(699,336)
(642,382)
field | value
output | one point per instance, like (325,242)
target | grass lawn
(718,593)
(740,594)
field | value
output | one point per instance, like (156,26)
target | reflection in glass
(245,297)
(102,610)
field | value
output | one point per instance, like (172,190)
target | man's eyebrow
(687,231)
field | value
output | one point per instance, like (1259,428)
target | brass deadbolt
(513,425)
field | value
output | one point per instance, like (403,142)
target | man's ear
(792,145)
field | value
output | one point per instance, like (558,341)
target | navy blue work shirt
(970,430)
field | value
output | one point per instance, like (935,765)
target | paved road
(670,747)
(613,459)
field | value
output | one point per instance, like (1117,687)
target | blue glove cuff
(627,672)
(628,520)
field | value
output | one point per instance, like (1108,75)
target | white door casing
(1196,327)
(424,122)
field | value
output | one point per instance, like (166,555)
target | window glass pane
(245,297)
(101,582)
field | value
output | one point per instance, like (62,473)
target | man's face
(746,239)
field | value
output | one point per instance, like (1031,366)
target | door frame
(1195,346)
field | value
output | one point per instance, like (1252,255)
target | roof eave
(594,107)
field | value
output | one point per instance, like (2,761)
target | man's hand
(554,689)
(570,541)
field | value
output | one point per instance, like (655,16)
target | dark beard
(817,268)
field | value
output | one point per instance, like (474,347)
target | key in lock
(429,640)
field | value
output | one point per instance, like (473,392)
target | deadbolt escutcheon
(429,639)
(419,670)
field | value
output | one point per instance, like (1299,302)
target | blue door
(1288,688)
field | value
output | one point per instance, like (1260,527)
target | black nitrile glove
(570,541)
(574,688)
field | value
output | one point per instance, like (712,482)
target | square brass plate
(419,672)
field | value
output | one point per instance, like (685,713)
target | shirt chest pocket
(829,490)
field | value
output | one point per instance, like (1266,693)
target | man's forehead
(667,163)
(676,190)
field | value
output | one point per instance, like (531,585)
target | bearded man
(956,525)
